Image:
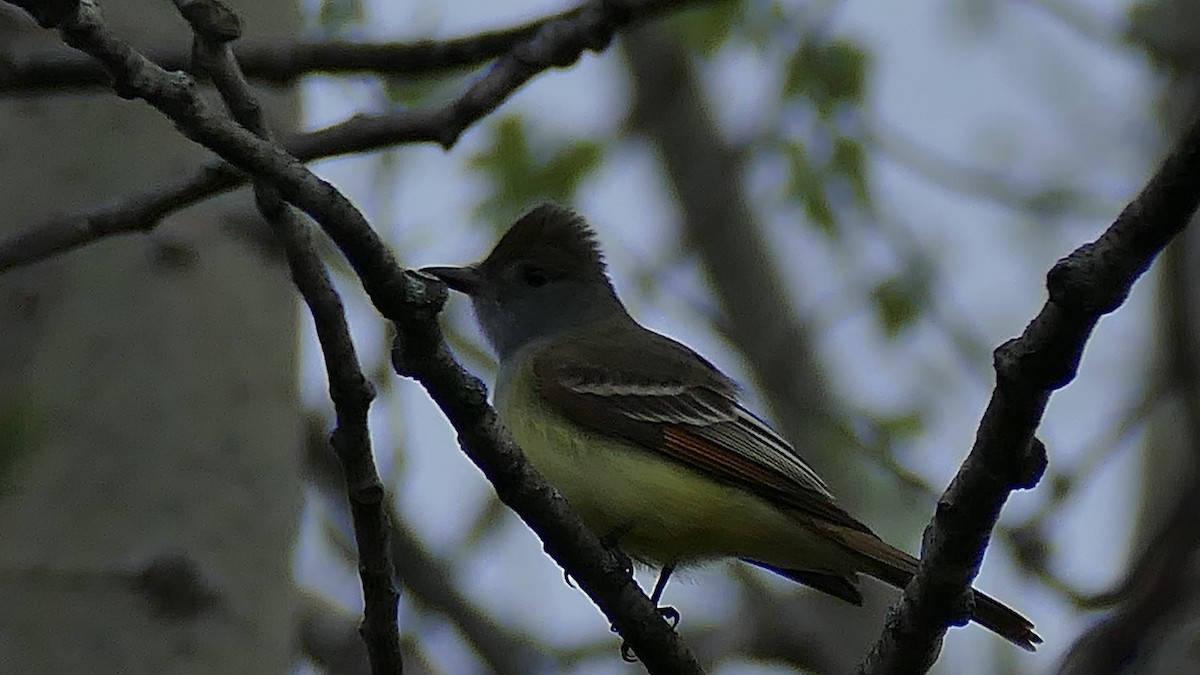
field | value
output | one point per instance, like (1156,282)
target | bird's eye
(533,277)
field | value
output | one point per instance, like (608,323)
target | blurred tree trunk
(149,425)
(1152,628)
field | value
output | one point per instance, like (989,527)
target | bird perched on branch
(647,440)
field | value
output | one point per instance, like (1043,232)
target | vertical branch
(215,26)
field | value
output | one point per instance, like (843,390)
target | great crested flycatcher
(647,439)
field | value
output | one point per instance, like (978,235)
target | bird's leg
(670,614)
(667,612)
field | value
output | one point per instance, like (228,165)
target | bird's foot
(668,613)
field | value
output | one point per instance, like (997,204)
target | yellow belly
(663,512)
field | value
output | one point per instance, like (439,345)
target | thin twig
(61,71)
(557,42)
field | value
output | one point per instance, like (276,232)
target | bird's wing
(671,401)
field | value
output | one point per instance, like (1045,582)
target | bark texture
(149,421)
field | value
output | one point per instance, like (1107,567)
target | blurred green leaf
(827,73)
(848,161)
(564,170)
(897,305)
(1052,201)
(507,162)
(706,29)
(410,91)
(523,170)
(897,427)
(806,183)
(764,23)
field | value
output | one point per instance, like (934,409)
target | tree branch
(215,26)
(557,42)
(1092,281)
(412,304)
(281,62)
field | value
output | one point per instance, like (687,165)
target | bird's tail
(896,568)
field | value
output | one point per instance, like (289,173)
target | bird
(648,441)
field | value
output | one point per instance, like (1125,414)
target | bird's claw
(668,613)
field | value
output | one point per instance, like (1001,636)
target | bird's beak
(465,280)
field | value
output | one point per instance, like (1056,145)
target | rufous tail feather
(896,568)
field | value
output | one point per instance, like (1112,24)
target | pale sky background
(1017,93)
